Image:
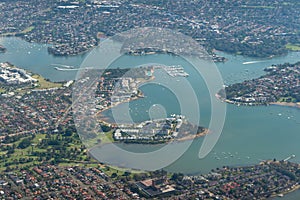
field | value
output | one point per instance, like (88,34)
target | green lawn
(44,84)
(109,170)
(83,160)
(2,90)
(293,47)
(103,137)
(26,154)
(27,30)
(287,99)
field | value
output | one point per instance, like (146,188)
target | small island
(281,85)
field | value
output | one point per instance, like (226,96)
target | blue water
(250,134)
(34,57)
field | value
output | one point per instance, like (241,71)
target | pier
(289,158)
(175,70)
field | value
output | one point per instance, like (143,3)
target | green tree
(24,143)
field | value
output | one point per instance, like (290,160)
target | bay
(250,134)
(35,58)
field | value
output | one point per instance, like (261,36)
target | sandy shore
(297,105)
(287,192)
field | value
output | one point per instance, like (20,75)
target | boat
(252,62)
(59,69)
(64,66)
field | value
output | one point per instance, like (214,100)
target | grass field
(287,99)
(18,154)
(26,30)
(44,84)
(109,170)
(2,90)
(21,153)
(293,47)
(26,153)
(105,138)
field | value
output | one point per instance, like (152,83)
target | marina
(245,127)
(174,70)
(149,100)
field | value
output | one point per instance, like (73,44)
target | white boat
(252,62)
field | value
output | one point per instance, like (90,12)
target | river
(250,134)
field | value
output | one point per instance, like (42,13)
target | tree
(105,128)
(24,143)
(114,175)
(126,173)
(68,132)
(177,176)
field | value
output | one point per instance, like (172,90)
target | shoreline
(286,192)
(140,95)
(106,120)
(81,53)
(182,139)
(295,105)
(187,137)
(285,104)
(99,113)
(192,136)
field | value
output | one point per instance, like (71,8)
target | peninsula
(280,85)
(120,85)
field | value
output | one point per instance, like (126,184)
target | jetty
(289,158)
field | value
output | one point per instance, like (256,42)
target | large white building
(12,75)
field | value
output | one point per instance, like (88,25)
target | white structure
(12,75)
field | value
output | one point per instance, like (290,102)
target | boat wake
(64,66)
(65,69)
(253,62)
